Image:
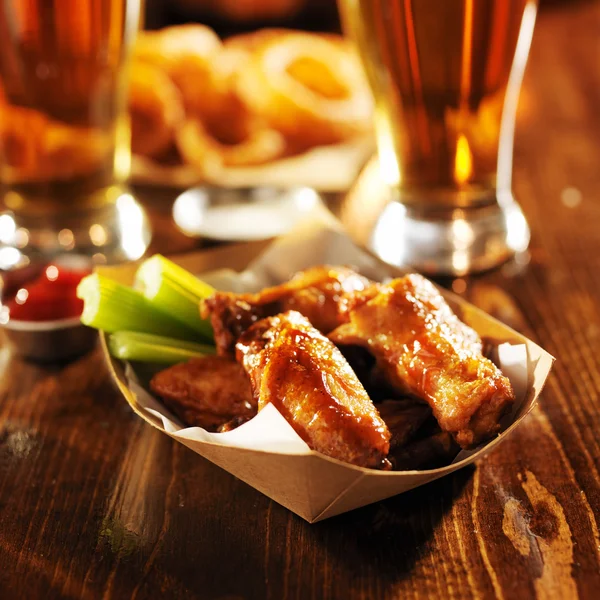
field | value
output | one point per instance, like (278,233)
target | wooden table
(96,504)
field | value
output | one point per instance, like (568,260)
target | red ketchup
(48,297)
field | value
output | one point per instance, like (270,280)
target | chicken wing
(318,293)
(212,392)
(425,350)
(301,372)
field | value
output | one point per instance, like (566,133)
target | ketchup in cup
(48,297)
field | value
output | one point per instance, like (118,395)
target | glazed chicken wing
(212,392)
(301,372)
(424,350)
(318,293)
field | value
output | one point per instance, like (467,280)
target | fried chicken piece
(301,372)
(211,392)
(318,293)
(424,350)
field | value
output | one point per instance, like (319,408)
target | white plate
(245,214)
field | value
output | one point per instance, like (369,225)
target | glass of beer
(64,133)
(446,76)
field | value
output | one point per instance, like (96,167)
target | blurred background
(233,16)
(202,112)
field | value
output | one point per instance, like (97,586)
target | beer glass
(446,76)
(64,134)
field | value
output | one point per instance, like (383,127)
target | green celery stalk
(110,306)
(175,291)
(144,347)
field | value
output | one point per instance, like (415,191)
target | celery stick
(144,347)
(110,306)
(175,291)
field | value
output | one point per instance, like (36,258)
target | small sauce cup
(48,341)
(40,314)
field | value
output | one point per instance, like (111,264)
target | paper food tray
(266,452)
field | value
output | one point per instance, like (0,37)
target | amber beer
(64,142)
(446,76)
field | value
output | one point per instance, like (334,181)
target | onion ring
(21,132)
(200,149)
(155,110)
(36,148)
(184,53)
(225,113)
(309,87)
(71,151)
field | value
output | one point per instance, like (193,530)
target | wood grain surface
(96,504)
